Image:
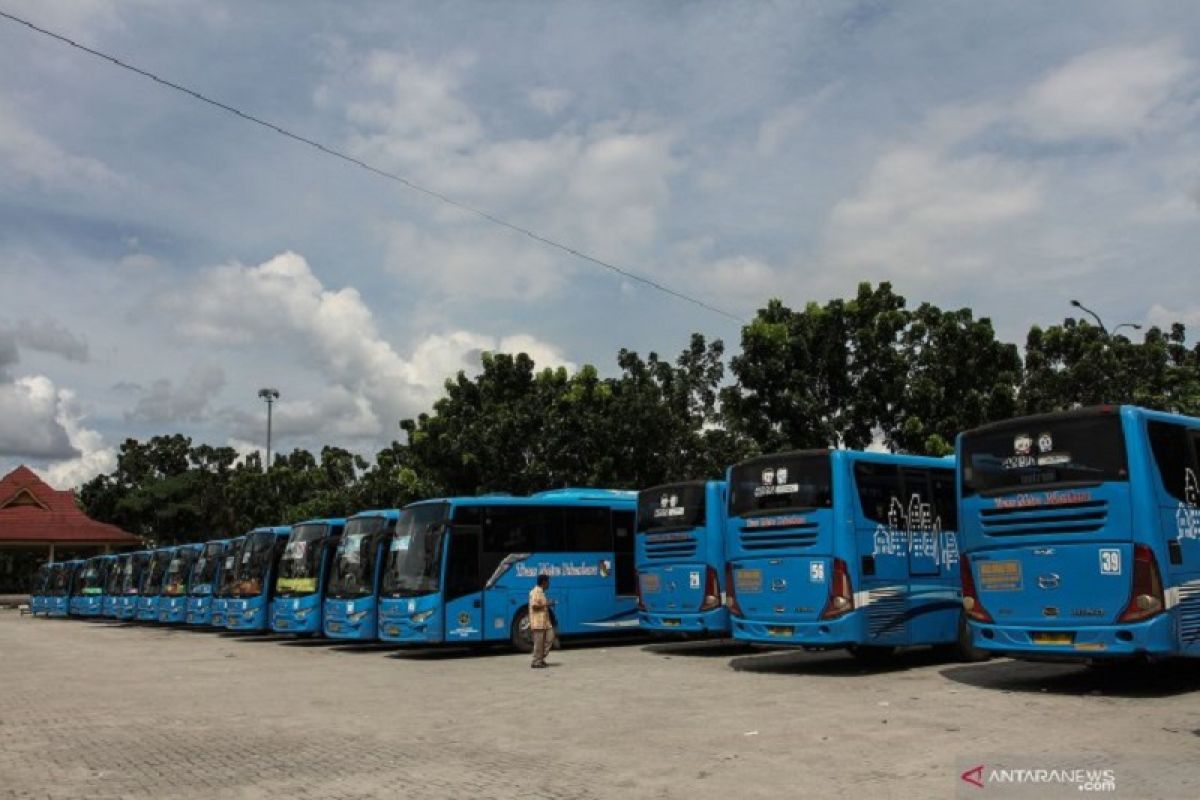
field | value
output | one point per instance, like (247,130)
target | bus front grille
(1083,517)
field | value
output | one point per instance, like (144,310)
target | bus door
(463,587)
(624,569)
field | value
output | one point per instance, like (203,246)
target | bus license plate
(393,631)
(335,627)
(671,622)
(282,623)
(1053,638)
(779,630)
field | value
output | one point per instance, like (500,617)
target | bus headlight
(357,617)
(421,616)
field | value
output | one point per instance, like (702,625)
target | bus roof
(701,482)
(324,521)
(873,456)
(602,497)
(278,530)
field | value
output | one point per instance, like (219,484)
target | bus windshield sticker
(774,482)
(400,543)
(1000,576)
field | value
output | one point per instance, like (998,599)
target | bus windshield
(787,482)
(178,569)
(205,569)
(229,560)
(300,566)
(116,574)
(1032,454)
(153,575)
(90,580)
(414,556)
(41,579)
(253,563)
(60,581)
(354,563)
(679,505)
(131,573)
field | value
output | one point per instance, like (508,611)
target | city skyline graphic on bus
(1187,516)
(916,530)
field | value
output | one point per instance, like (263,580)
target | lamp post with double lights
(270,396)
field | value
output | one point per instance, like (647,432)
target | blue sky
(162,261)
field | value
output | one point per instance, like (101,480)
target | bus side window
(589,530)
(945,504)
(625,572)
(1168,443)
(462,570)
(878,485)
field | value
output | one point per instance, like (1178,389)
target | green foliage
(864,371)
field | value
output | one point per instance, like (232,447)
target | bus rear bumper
(715,622)
(1154,637)
(841,632)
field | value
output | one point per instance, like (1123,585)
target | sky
(161,261)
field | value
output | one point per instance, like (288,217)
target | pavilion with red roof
(38,522)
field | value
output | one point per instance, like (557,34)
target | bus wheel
(963,650)
(873,655)
(520,635)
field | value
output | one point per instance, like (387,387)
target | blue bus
(1081,534)
(680,556)
(112,585)
(37,589)
(202,583)
(88,598)
(352,596)
(249,605)
(303,575)
(460,569)
(60,587)
(150,590)
(172,604)
(133,571)
(845,549)
(226,579)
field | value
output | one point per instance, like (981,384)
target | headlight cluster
(357,616)
(421,616)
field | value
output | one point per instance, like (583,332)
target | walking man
(539,621)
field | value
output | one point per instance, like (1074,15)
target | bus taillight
(971,604)
(731,592)
(712,591)
(1146,598)
(841,592)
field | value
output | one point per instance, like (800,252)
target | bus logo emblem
(1050,580)
(464,618)
(768,477)
(778,585)
(1022,444)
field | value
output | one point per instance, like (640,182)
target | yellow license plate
(1049,638)
(335,627)
(779,630)
(282,623)
(670,622)
(393,631)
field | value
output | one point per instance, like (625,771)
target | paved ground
(100,710)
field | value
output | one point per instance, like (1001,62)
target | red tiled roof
(32,511)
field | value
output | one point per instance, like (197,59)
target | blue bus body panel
(582,586)
(673,570)
(200,597)
(357,618)
(304,615)
(1054,568)
(60,605)
(783,565)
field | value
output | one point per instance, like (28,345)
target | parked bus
(352,596)
(88,598)
(150,590)
(59,589)
(459,570)
(172,605)
(38,588)
(680,556)
(1081,534)
(112,586)
(839,548)
(131,584)
(249,605)
(303,575)
(226,581)
(202,583)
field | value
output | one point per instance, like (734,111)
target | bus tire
(963,649)
(520,635)
(873,655)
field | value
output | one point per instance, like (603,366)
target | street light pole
(270,396)
(1107,333)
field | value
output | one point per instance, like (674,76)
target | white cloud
(369,386)
(1165,317)
(27,156)
(29,420)
(165,402)
(1109,92)
(94,455)
(549,101)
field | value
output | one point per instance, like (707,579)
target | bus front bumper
(827,633)
(146,612)
(88,607)
(172,611)
(707,623)
(246,615)
(357,624)
(1155,637)
(199,610)
(300,615)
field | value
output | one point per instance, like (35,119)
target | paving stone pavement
(107,710)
